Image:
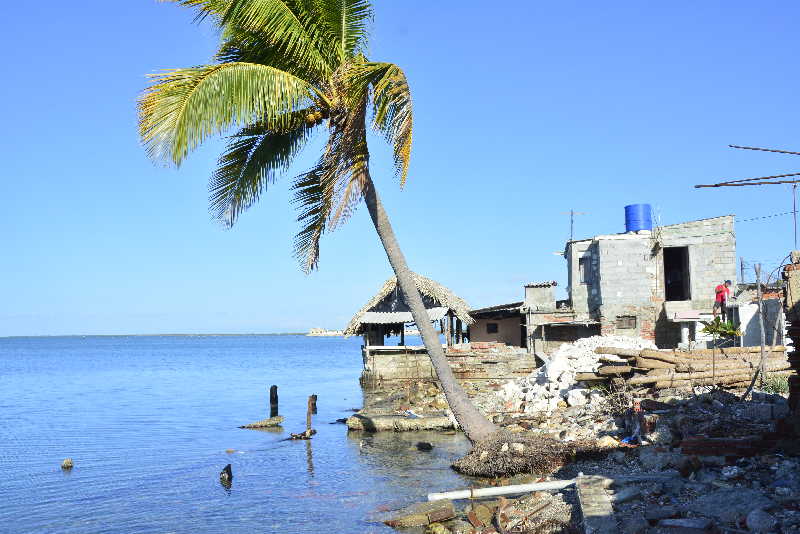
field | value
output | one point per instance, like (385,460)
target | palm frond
(312,198)
(289,24)
(256,47)
(393,115)
(184,106)
(253,159)
(204,8)
(328,195)
(392,106)
(349,22)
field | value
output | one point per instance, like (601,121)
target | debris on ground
(266,423)
(508,453)
(713,467)
(556,383)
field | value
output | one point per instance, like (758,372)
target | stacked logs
(733,367)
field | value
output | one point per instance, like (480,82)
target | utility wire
(765,216)
(765,149)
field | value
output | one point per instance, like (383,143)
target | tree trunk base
(506,453)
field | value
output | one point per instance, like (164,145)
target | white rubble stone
(576,397)
(553,381)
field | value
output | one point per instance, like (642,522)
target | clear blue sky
(523,110)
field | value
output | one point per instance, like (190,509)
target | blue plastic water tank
(638,217)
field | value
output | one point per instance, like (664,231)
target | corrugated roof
(435,314)
(514,306)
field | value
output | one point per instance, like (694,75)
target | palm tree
(285,69)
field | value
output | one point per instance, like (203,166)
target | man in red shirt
(722,291)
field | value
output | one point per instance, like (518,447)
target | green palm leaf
(392,107)
(253,159)
(312,198)
(289,25)
(184,106)
(348,21)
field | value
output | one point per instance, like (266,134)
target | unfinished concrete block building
(640,283)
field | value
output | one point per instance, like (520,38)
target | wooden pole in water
(309,411)
(313,401)
(273,401)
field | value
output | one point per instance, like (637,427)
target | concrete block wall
(585,298)
(712,254)
(628,281)
(628,275)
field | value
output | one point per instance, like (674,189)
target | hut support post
(459,337)
(403,335)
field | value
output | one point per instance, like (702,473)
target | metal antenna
(794,212)
(572,214)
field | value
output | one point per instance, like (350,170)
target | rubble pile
(555,382)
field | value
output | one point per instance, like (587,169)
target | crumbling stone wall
(469,361)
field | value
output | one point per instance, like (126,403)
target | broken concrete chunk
(577,397)
(625,495)
(607,442)
(698,523)
(420,515)
(761,521)
(657,513)
(265,423)
(436,528)
(730,504)
(397,423)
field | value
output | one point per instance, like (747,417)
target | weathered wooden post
(273,401)
(311,409)
(312,400)
(459,337)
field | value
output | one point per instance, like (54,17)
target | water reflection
(309,459)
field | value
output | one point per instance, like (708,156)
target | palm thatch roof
(388,305)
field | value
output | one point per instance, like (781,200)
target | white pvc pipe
(500,490)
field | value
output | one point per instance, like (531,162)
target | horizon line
(160,335)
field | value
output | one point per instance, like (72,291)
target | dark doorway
(676,273)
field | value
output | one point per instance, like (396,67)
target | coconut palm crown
(284,69)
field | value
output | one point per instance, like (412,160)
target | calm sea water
(147,421)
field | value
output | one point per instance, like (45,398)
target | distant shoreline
(156,335)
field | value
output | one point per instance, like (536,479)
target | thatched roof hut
(387,312)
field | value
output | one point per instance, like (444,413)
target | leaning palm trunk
(475,425)
(285,69)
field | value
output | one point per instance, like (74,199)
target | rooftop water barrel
(638,217)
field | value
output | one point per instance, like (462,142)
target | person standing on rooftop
(723,292)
